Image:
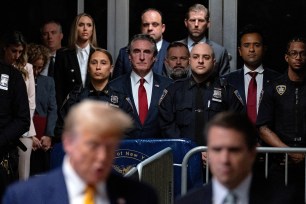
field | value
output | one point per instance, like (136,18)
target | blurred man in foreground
(90,139)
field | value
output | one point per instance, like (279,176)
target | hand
(204,158)
(36,143)
(46,142)
(296,157)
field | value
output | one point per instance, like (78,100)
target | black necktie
(51,67)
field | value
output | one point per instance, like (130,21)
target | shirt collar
(85,49)
(242,191)
(190,42)
(74,182)
(259,69)
(135,78)
(159,44)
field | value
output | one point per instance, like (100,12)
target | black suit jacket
(51,188)
(150,129)
(67,73)
(236,79)
(261,192)
(123,65)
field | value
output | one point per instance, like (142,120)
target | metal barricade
(265,150)
(157,171)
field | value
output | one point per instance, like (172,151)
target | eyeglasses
(295,54)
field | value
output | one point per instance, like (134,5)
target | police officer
(282,115)
(100,66)
(14,121)
(187,105)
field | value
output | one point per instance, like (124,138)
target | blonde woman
(70,67)
(14,53)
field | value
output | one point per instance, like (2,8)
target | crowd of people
(78,95)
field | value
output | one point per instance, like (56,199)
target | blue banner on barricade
(131,152)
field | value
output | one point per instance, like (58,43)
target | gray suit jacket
(221,56)
(46,102)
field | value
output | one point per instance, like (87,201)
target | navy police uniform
(179,110)
(283,110)
(14,121)
(79,93)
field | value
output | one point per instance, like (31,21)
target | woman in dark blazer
(70,68)
(46,110)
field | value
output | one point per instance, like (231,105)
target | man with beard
(177,61)
(282,117)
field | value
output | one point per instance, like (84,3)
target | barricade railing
(265,150)
(157,170)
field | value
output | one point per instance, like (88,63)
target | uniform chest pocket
(183,114)
(214,108)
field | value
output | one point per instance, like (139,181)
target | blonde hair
(74,33)
(97,116)
(36,52)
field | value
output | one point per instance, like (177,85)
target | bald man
(187,105)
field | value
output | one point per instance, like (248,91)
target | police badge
(281,89)
(114,99)
(4,81)
(217,95)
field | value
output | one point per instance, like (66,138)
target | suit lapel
(240,87)
(56,189)
(156,92)
(159,63)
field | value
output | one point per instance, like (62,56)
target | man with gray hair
(92,132)
(197,22)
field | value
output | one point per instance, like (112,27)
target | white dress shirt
(76,186)
(242,191)
(259,81)
(46,68)
(190,42)
(159,45)
(83,55)
(148,84)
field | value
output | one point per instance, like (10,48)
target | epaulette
(223,81)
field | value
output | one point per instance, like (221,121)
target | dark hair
(153,9)
(143,37)
(16,38)
(295,39)
(177,44)
(250,28)
(237,121)
(109,56)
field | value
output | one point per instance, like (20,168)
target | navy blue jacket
(177,107)
(261,191)
(150,129)
(123,65)
(79,93)
(51,188)
(14,108)
(236,79)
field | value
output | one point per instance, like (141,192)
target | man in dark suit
(142,53)
(90,139)
(251,49)
(151,24)
(197,22)
(231,141)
